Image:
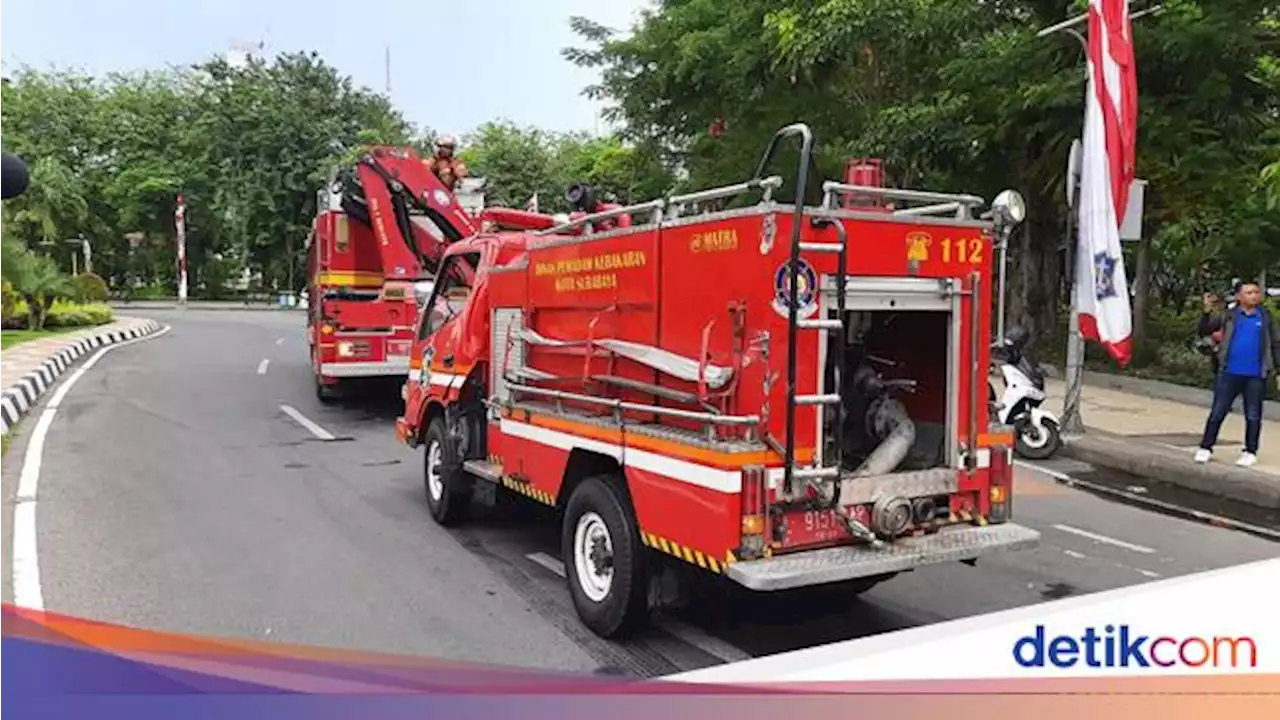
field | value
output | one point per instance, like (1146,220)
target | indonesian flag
(1106,172)
(532,205)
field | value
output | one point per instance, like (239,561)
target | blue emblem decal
(1104,276)
(806,289)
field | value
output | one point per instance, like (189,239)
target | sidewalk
(27,370)
(1144,433)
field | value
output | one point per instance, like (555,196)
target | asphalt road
(175,493)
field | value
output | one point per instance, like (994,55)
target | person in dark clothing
(1248,355)
(1209,330)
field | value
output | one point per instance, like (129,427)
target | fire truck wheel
(326,394)
(605,565)
(446,494)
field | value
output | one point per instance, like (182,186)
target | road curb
(21,396)
(147,305)
(1151,461)
(1161,390)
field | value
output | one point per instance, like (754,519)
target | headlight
(345,349)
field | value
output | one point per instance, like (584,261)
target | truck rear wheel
(605,564)
(448,492)
(327,394)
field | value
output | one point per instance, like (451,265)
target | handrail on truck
(961,204)
(793,273)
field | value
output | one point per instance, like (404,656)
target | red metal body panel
(705,288)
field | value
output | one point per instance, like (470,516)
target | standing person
(1209,330)
(1248,355)
(445,164)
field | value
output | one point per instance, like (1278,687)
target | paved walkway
(25,357)
(1167,423)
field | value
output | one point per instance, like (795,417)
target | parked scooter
(1037,434)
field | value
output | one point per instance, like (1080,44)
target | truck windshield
(451,291)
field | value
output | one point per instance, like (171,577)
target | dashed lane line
(262,366)
(1097,537)
(312,426)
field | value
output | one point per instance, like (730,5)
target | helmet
(446,141)
(1016,338)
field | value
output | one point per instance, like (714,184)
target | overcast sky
(454,63)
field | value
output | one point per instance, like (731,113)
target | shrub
(10,300)
(71,314)
(90,288)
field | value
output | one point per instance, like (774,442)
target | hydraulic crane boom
(393,182)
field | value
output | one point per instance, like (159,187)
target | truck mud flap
(816,567)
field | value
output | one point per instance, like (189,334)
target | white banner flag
(1102,288)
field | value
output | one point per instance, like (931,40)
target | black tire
(623,607)
(450,498)
(326,394)
(1039,451)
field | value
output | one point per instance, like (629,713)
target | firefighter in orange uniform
(445,164)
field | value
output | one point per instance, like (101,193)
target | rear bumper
(365,369)
(816,567)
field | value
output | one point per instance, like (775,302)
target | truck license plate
(817,527)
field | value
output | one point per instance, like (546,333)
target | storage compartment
(898,383)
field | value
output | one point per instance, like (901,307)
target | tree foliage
(962,96)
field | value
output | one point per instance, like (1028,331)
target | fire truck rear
(784,395)
(379,231)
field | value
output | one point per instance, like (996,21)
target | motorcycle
(1036,430)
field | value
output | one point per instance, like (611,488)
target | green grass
(9,338)
(4,443)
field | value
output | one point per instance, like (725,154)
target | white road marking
(307,423)
(26,563)
(1042,469)
(1147,573)
(1076,555)
(1104,539)
(708,644)
(548,562)
(262,366)
(279,341)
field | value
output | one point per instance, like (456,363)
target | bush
(90,288)
(10,301)
(64,315)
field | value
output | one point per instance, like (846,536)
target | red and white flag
(532,205)
(1106,172)
(180,225)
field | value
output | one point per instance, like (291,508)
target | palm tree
(40,282)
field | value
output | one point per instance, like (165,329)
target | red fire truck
(785,395)
(378,235)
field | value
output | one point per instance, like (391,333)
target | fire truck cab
(781,394)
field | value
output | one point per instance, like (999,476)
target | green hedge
(63,314)
(90,288)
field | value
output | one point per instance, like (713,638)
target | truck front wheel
(605,565)
(447,491)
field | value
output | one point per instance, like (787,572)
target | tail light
(1001,490)
(754,517)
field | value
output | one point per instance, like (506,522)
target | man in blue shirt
(1247,356)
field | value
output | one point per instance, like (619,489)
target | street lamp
(1072,424)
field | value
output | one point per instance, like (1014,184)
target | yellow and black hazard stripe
(968,517)
(528,490)
(687,554)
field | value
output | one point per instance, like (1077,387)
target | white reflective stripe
(415,374)
(365,369)
(725,481)
(984,457)
(446,379)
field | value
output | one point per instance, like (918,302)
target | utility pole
(1072,423)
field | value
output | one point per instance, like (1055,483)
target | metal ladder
(795,324)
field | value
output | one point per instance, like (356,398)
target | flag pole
(180,221)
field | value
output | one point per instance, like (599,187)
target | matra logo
(806,289)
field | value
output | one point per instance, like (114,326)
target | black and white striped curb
(22,395)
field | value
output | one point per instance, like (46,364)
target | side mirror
(14,177)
